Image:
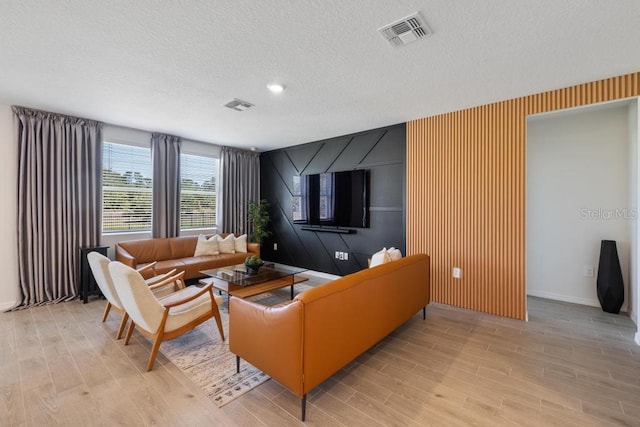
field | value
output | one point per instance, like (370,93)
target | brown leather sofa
(303,342)
(177,252)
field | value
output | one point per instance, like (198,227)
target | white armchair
(100,267)
(168,317)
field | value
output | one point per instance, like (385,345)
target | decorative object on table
(253,264)
(610,285)
(258,221)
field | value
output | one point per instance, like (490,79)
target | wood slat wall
(466,194)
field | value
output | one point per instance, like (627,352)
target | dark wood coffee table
(235,279)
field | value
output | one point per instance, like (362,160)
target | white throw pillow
(206,246)
(227,245)
(241,244)
(379,258)
(394,253)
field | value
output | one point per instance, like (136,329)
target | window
(199,176)
(126,188)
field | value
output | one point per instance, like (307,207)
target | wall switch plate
(587,271)
(457,272)
(346,256)
(337,255)
(275,246)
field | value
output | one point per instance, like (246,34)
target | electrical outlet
(457,272)
(587,271)
(275,246)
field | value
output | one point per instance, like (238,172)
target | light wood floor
(569,365)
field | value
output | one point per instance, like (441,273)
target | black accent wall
(382,153)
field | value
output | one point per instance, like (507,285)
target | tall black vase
(610,286)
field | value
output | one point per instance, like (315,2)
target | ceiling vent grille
(238,105)
(405,30)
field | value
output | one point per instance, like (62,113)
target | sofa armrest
(270,338)
(125,257)
(254,248)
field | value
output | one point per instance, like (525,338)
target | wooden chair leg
(106,311)
(132,325)
(123,323)
(219,322)
(154,351)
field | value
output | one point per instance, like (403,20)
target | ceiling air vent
(238,105)
(405,30)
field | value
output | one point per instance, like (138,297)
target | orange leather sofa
(303,342)
(177,252)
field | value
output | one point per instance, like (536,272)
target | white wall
(634,137)
(632,297)
(9,285)
(578,186)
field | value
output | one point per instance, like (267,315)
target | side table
(88,283)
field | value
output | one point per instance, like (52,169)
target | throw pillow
(241,244)
(379,258)
(227,245)
(206,246)
(394,253)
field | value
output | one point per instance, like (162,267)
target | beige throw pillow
(206,246)
(227,245)
(241,244)
(379,258)
(394,253)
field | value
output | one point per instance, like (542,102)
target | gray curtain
(59,201)
(240,172)
(165,160)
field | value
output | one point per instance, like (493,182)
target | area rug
(207,361)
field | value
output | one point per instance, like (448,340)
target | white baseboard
(571,299)
(638,338)
(565,298)
(4,306)
(321,275)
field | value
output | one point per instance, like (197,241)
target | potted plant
(253,264)
(258,221)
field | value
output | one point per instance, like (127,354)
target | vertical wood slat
(466,194)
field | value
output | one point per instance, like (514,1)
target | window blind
(126,188)
(198,201)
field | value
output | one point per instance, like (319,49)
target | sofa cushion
(148,250)
(167,265)
(194,265)
(394,253)
(379,258)
(206,246)
(240,244)
(227,245)
(182,246)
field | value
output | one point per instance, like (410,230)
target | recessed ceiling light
(275,87)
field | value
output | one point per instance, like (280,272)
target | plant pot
(253,269)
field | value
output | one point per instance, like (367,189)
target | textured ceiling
(170,66)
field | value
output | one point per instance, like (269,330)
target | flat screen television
(338,199)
